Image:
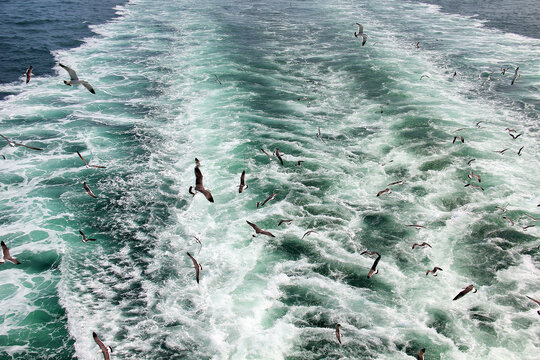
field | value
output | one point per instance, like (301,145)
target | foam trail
(158,106)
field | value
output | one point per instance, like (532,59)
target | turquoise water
(158,106)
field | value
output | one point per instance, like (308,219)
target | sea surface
(219,81)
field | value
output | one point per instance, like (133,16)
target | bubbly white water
(158,106)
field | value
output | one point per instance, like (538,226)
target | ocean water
(158,106)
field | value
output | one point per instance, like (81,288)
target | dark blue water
(30,30)
(515,16)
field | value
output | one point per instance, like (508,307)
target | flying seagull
(473,175)
(416,226)
(361,32)
(470,161)
(278,155)
(319,135)
(308,233)
(84,238)
(89,191)
(217,79)
(458,137)
(74,79)
(373,269)
(387,190)
(197,266)
(258,230)
(271,197)
(421,245)
(88,165)
(475,186)
(501,151)
(242,182)
(287,221)
(7,255)
(199,186)
(299,163)
(400,182)
(464,292)
(514,137)
(102,346)
(29,74)
(420,355)
(13,144)
(536,301)
(516,75)
(338,334)
(267,154)
(521,148)
(433,271)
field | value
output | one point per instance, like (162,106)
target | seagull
(500,208)
(400,182)
(503,70)
(287,221)
(13,144)
(433,271)
(515,137)
(519,152)
(373,269)
(271,197)
(420,355)
(258,230)
(455,73)
(299,163)
(421,245)
(29,74)
(338,335)
(102,346)
(319,135)
(309,233)
(464,292)
(423,76)
(536,301)
(507,218)
(501,151)
(361,32)
(478,123)
(75,79)
(7,255)
(278,155)
(87,165)
(387,190)
(516,75)
(84,238)
(458,137)
(267,154)
(199,186)
(217,79)
(89,191)
(475,186)
(242,182)
(473,175)
(416,226)
(417,44)
(532,217)
(510,130)
(200,243)
(526,227)
(197,266)
(3,156)
(470,161)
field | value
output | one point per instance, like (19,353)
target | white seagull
(75,79)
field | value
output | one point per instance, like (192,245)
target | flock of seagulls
(199,188)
